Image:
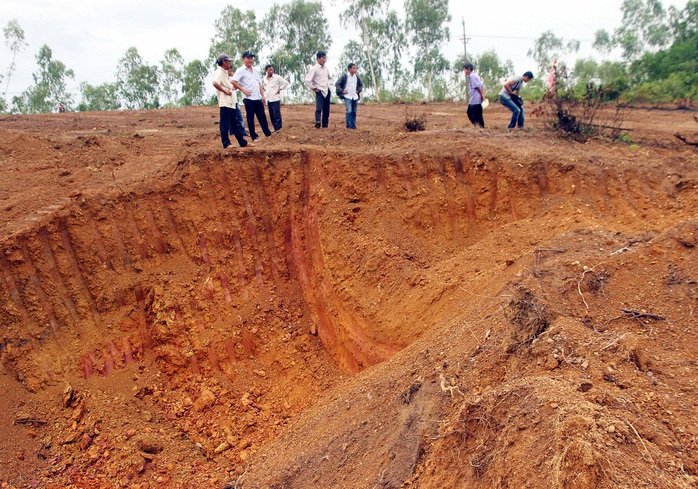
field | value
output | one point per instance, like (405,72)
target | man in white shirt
(348,88)
(318,80)
(273,84)
(248,81)
(226,103)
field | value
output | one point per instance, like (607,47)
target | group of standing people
(258,92)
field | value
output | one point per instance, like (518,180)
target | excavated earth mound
(347,309)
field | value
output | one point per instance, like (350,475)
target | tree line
(401,58)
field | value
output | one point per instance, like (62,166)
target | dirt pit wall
(178,330)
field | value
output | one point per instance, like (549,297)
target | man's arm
(309,79)
(220,88)
(507,87)
(237,86)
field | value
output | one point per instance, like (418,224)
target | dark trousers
(227,127)
(475,115)
(275,114)
(322,107)
(256,108)
(237,119)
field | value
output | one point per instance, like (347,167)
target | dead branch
(30,421)
(685,140)
(640,438)
(579,286)
(602,126)
(639,314)
(614,341)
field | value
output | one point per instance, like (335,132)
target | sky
(90,36)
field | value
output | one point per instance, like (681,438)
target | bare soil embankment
(335,308)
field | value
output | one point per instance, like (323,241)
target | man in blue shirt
(477,96)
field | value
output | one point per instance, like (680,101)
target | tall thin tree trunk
(370,62)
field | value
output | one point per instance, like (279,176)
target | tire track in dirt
(56,279)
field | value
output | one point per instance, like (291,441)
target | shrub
(580,112)
(415,123)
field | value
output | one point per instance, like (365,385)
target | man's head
(321,58)
(468,68)
(527,77)
(223,61)
(247,58)
(269,69)
(352,69)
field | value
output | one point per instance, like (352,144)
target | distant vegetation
(400,60)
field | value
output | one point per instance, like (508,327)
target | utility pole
(465,43)
(465,40)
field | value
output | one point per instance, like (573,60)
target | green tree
(294,32)
(171,74)
(603,42)
(100,97)
(137,82)
(49,89)
(14,39)
(644,26)
(384,66)
(381,37)
(684,23)
(236,32)
(193,91)
(426,21)
(548,48)
(354,53)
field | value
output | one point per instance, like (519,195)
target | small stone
(205,400)
(149,444)
(78,413)
(610,429)
(222,447)
(68,395)
(85,441)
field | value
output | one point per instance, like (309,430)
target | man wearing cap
(318,80)
(226,103)
(248,81)
(509,97)
(273,84)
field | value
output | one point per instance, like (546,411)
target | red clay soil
(347,309)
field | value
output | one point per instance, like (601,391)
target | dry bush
(528,317)
(578,113)
(415,123)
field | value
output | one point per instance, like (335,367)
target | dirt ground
(347,309)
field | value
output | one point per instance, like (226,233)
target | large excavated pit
(209,307)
